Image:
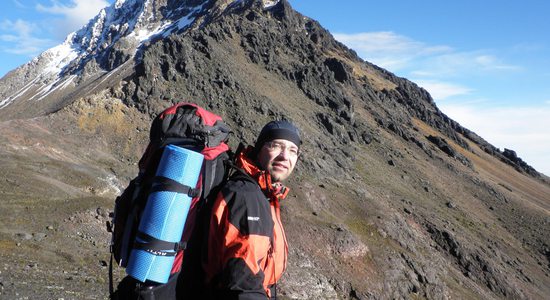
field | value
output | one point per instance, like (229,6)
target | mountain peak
(112,37)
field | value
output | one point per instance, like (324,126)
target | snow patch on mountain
(60,56)
(270,3)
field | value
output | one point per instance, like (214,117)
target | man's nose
(284,154)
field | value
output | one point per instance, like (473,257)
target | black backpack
(192,127)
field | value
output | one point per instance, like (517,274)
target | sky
(486,63)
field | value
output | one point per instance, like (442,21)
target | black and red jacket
(247,248)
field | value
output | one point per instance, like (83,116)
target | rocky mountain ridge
(391,198)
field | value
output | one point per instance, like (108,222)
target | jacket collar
(263,178)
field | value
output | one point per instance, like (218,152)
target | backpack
(185,125)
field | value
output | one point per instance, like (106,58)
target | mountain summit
(114,37)
(391,199)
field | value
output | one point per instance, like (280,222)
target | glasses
(279,147)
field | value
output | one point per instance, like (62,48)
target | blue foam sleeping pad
(165,214)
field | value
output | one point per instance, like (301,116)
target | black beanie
(278,130)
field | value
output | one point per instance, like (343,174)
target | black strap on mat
(155,246)
(165,184)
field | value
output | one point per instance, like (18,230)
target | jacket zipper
(278,218)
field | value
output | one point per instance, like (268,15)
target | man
(247,248)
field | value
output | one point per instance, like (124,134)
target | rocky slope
(391,198)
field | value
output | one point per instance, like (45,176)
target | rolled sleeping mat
(164,216)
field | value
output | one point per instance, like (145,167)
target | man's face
(278,157)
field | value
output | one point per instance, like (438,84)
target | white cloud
(23,37)
(443,90)
(20,37)
(399,53)
(523,129)
(387,49)
(490,62)
(529,47)
(75,14)
(458,64)
(20,27)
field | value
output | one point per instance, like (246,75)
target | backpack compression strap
(157,247)
(165,184)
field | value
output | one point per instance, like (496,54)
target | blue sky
(486,63)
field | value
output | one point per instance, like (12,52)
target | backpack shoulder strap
(238,173)
(215,173)
(235,171)
(208,176)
